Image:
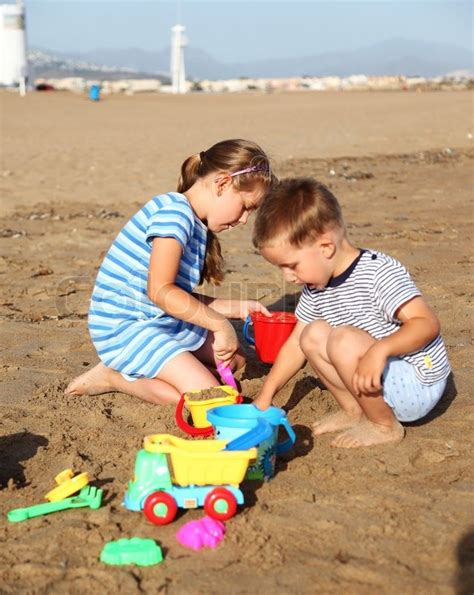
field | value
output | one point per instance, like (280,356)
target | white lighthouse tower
(13,63)
(178,43)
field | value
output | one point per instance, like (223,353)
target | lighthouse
(13,62)
(178,43)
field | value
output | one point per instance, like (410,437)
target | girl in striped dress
(363,325)
(155,336)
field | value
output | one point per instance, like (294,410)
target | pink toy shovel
(226,374)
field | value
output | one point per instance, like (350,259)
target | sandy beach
(391,519)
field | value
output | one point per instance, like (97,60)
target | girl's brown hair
(228,156)
(298,210)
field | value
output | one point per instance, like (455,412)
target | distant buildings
(359,82)
(81,85)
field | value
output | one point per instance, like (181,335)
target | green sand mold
(142,552)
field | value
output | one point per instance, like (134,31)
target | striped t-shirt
(120,291)
(367,296)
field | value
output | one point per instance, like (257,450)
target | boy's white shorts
(409,398)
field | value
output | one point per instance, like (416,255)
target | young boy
(363,325)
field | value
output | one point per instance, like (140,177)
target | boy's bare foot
(93,382)
(333,422)
(366,433)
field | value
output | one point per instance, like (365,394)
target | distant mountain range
(391,57)
(46,64)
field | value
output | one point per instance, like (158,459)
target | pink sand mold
(205,532)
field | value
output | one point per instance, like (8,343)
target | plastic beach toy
(270,332)
(205,532)
(253,437)
(226,374)
(142,552)
(201,462)
(68,484)
(234,422)
(172,472)
(199,408)
(88,497)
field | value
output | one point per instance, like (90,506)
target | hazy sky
(233,31)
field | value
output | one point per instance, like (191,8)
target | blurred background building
(13,54)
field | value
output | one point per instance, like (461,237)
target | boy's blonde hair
(297,210)
(230,156)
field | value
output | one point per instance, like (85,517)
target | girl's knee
(238,361)
(314,336)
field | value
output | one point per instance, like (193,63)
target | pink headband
(248,170)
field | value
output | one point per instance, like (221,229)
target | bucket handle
(191,430)
(247,324)
(288,443)
(253,437)
(183,425)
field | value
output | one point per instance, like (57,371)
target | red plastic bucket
(270,333)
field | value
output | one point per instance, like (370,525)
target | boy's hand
(367,378)
(225,342)
(288,362)
(262,401)
(248,306)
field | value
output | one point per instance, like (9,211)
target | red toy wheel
(160,508)
(220,504)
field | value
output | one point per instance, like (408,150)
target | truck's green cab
(151,474)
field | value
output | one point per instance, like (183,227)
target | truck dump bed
(201,462)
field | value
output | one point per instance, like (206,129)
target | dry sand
(392,519)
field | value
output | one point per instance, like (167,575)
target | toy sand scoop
(198,404)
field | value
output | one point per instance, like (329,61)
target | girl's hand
(225,342)
(367,378)
(248,306)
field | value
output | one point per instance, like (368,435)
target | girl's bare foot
(333,422)
(93,382)
(101,380)
(366,433)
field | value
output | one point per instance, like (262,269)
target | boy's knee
(340,340)
(314,336)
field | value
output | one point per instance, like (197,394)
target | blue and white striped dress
(130,333)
